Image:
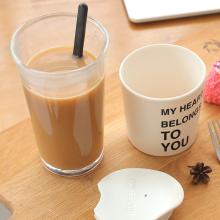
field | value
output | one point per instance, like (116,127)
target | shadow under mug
(162,88)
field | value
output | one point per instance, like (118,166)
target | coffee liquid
(68,131)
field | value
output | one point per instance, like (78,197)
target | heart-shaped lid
(138,194)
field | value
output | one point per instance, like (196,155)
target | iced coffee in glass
(64,94)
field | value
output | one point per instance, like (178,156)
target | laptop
(153,10)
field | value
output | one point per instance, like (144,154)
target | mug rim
(163,99)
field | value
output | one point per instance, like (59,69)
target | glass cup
(66,108)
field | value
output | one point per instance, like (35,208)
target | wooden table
(29,190)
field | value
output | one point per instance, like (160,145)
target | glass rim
(61,73)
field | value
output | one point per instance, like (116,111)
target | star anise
(200,173)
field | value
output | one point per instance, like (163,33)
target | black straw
(80,30)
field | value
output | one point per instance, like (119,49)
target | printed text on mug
(176,133)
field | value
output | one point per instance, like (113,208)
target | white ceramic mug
(162,88)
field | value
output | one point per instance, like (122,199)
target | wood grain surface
(125,37)
(30,191)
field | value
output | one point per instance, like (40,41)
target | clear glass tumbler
(66,108)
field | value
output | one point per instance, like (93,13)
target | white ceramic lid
(138,194)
